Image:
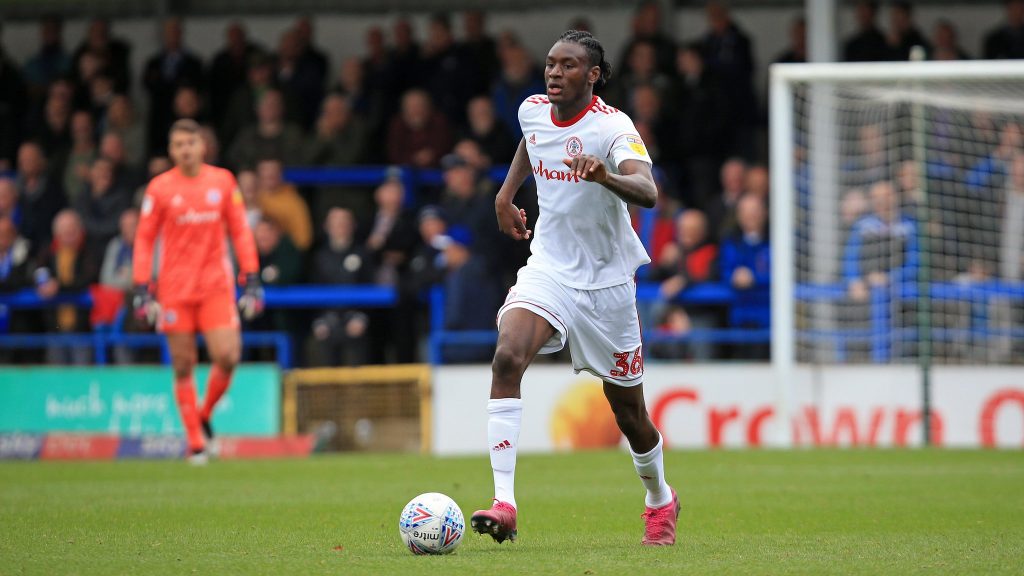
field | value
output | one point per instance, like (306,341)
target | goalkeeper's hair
(595,52)
(187,125)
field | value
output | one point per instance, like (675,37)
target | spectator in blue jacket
(746,265)
(882,248)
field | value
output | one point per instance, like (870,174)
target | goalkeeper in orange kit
(191,208)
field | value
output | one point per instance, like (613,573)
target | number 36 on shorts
(624,367)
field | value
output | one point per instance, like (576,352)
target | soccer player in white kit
(577,286)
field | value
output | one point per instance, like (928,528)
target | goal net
(898,213)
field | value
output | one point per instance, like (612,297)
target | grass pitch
(802,512)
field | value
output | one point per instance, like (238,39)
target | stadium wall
(708,406)
(342,36)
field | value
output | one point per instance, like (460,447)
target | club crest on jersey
(533,138)
(573,147)
(213,196)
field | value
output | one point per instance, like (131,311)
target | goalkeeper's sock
(216,385)
(504,417)
(651,469)
(185,394)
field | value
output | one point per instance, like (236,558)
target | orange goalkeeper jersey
(193,217)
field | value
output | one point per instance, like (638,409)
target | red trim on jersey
(575,118)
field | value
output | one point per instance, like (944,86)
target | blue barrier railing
(101,340)
(880,335)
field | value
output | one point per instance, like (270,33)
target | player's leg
(645,446)
(521,335)
(219,322)
(224,346)
(607,343)
(182,346)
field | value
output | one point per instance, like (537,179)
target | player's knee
(182,367)
(227,361)
(630,418)
(508,363)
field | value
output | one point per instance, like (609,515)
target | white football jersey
(583,236)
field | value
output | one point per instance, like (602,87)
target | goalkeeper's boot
(499,522)
(212,447)
(660,523)
(198,457)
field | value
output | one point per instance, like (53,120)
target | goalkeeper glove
(144,305)
(251,301)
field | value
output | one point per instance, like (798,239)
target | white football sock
(651,469)
(504,417)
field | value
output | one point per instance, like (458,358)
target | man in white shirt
(577,287)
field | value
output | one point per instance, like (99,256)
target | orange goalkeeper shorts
(211,313)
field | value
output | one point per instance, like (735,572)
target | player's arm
(634,183)
(251,302)
(512,220)
(150,220)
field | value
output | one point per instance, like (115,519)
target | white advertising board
(707,406)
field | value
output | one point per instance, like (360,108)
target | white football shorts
(601,326)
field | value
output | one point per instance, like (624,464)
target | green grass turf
(802,512)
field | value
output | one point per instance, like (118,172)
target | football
(431,523)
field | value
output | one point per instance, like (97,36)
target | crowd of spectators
(76,154)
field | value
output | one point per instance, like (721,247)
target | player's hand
(588,167)
(252,299)
(512,220)
(145,308)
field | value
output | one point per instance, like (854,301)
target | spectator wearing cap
(468,203)
(444,259)
(341,334)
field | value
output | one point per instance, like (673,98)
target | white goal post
(931,126)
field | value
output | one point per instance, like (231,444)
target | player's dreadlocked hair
(595,52)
